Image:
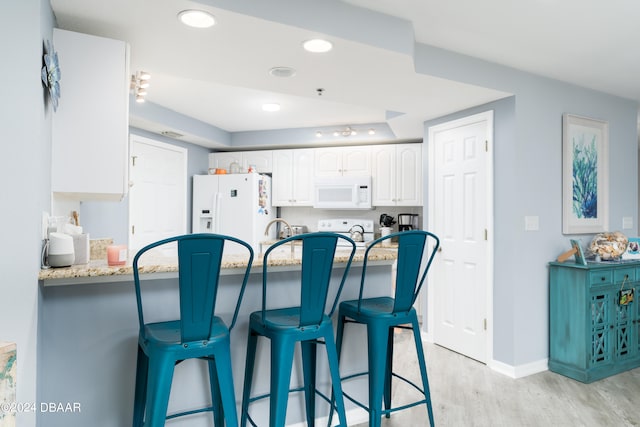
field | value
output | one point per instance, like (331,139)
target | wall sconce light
(139,85)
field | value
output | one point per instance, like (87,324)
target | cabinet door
(303,174)
(90,129)
(636,319)
(328,161)
(409,175)
(601,305)
(356,161)
(383,166)
(262,160)
(282,178)
(223,160)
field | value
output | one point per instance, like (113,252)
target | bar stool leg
(378,337)
(309,357)
(339,333)
(334,368)
(388,371)
(159,387)
(252,343)
(142,368)
(225,389)
(281,363)
(423,368)
(216,402)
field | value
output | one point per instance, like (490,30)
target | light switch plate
(627,222)
(531,223)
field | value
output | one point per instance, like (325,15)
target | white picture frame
(585,175)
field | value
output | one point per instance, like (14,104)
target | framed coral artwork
(585,175)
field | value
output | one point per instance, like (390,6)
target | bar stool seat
(382,315)
(198,333)
(308,323)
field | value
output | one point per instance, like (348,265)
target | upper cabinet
(397,175)
(261,160)
(343,161)
(91,125)
(292,183)
(223,159)
(396,170)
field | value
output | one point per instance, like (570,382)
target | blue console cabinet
(592,334)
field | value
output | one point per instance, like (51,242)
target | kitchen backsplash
(310,216)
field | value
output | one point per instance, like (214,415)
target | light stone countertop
(97,271)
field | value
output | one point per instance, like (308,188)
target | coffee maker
(407,221)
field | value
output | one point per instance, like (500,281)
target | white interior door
(460,215)
(158,193)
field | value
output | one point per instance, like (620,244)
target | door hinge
(133,229)
(486,234)
(486,145)
(133,160)
(484,324)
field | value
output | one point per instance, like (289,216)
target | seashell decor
(609,246)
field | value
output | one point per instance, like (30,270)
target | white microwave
(342,192)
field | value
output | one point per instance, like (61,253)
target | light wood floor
(467,393)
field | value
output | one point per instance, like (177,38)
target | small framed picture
(579,255)
(633,249)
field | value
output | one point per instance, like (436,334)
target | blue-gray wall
(25,170)
(528,181)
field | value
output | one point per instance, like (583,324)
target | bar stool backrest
(199,265)
(318,253)
(416,249)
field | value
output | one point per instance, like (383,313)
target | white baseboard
(519,371)
(354,416)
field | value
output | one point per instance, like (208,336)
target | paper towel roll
(81,248)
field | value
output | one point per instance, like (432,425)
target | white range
(346,227)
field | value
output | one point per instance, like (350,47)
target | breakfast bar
(88,330)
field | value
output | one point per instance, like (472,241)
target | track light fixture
(345,132)
(139,85)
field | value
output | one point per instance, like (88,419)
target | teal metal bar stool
(382,315)
(308,323)
(198,333)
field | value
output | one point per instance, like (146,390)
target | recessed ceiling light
(282,72)
(196,18)
(270,107)
(317,46)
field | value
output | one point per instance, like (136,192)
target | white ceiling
(220,75)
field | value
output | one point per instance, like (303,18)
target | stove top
(343,226)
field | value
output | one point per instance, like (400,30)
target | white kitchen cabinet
(90,129)
(223,159)
(292,183)
(397,175)
(343,161)
(261,159)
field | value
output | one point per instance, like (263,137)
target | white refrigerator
(237,205)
